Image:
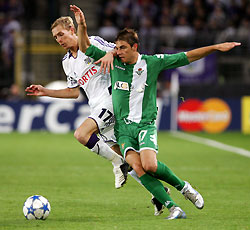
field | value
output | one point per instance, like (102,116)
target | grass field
(80,185)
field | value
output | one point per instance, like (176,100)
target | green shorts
(136,137)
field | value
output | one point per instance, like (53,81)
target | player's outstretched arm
(199,53)
(39,90)
(83,39)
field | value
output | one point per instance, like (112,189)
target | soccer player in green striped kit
(134,79)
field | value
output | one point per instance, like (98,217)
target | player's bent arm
(83,39)
(109,47)
(199,53)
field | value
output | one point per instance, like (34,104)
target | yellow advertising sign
(245,113)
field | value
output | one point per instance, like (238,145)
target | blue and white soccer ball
(36,208)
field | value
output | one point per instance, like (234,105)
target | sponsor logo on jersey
(123,144)
(87,61)
(139,71)
(71,81)
(119,67)
(212,115)
(121,85)
(92,71)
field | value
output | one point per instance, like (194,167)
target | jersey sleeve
(171,61)
(95,52)
(101,43)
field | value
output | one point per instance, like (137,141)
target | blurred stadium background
(220,82)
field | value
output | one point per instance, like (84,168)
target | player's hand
(106,62)
(35,90)
(227,46)
(79,16)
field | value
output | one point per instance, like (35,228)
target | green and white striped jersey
(134,87)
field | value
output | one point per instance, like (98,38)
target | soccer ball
(36,208)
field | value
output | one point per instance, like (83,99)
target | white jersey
(81,71)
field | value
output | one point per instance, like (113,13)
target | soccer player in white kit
(82,72)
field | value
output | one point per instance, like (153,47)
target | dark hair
(128,35)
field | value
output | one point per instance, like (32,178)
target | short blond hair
(66,22)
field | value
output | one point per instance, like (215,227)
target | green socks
(165,174)
(156,188)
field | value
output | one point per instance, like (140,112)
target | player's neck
(73,51)
(134,59)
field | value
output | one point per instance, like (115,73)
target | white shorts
(105,120)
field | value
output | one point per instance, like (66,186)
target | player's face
(125,52)
(65,38)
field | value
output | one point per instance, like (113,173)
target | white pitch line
(211,143)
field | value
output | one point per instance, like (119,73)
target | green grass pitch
(80,185)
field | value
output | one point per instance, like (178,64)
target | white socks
(134,175)
(102,149)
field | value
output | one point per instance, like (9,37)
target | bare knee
(134,161)
(149,160)
(149,166)
(138,169)
(81,136)
(85,130)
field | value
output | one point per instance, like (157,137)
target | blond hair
(66,22)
